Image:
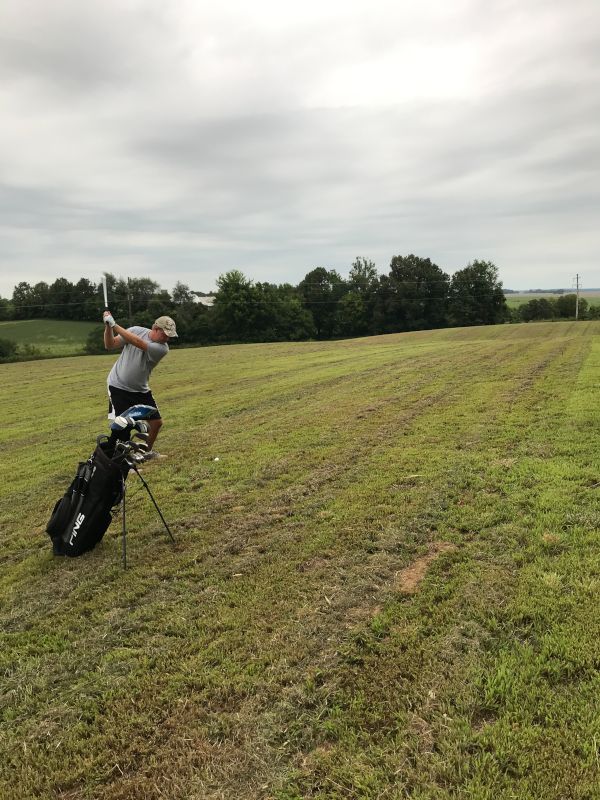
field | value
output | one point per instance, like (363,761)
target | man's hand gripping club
(115,335)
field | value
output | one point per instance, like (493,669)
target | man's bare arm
(123,336)
(111,342)
(126,336)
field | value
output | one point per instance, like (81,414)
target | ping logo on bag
(76,527)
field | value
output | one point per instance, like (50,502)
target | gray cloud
(180,141)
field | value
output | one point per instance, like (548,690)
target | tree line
(415,294)
(563,307)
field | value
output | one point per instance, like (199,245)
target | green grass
(48,336)
(285,648)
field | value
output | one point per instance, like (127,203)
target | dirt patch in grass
(409,579)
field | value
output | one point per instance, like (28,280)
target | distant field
(385,587)
(50,337)
(516,300)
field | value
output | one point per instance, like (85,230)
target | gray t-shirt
(132,369)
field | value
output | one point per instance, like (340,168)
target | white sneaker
(151,455)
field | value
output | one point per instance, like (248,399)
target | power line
(89,301)
(375,291)
(52,305)
(385,294)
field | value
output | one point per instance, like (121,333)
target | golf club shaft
(105,292)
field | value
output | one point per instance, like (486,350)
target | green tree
(355,311)
(476,295)
(296,322)
(538,308)
(191,317)
(141,292)
(363,276)
(277,315)
(320,291)
(182,294)
(159,304)
(262,312)
(22,300)
(89,305)
(195,327)
(62,300)
(6,309)
(566,304)
(117,297)
(135,301)
(412,297)
(41,302)
(354,318)
(593,312)
(129,299)
(233,307)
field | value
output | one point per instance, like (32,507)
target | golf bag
(81,517)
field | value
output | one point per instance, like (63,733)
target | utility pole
(577,300)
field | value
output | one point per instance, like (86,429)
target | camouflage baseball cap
(167,325)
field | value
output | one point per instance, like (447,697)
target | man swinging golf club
(141,351)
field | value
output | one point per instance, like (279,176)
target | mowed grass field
(50,337)
(386,587)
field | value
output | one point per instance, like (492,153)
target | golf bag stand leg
(147,488)
(124,529)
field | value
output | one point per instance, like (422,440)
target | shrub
(8,349)
(95,341)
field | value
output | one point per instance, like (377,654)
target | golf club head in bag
(135,418)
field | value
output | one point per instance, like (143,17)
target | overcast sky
(178,139)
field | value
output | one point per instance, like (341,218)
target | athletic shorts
(119,401)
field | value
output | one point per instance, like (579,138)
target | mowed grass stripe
(442,709)
(244,636)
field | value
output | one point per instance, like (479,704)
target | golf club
(105,292)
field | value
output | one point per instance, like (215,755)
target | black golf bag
(81,517)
